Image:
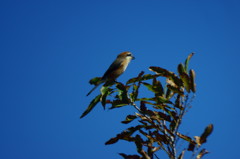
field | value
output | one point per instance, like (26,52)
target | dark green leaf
(160,99)
(91,105)
(169,94)
(118,104)
(123,92)
(129,118)
(145,99)
(143,107)
(157,87)
(160,71)
(186,81)
(125,135)
(181,69)
(178,103)
(175,89)
(192,80)
(134,93)
(139,143)
(162,116)
(149,86)
(104,91)
(95,81)
(129,156)
(136,79)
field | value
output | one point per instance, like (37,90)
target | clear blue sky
(50,49)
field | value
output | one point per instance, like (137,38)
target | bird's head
(126,55)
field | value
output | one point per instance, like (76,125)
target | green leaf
(181,69)
(187,61)
(104,91)
(149,86)
(134,93)
(160,99)
(135,79)
(186,81)
(91,105)
(95,80)
(129,119)
(192,80)
(160,71)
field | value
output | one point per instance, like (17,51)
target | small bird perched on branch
(116,68)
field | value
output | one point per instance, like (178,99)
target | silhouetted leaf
(160,71)
(169,93)
(161,138)
(208,130)
(202,153)
(91,105)
(129,156)
(138,142)
(163,116)
(129,118)
(187,61)
(125,135)
(186,138)
(178,103)
(118,104)
(157,87)
(175,90)
(192,80)
(143,107)
(191,146)
(95,81)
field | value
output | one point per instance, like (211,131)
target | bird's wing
(113,67)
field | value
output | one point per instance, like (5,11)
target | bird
(115,69)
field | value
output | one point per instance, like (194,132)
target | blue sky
(50,49)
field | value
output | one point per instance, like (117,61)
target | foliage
(158,117)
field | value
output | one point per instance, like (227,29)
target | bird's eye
(129,54)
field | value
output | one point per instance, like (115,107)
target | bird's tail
(95,87)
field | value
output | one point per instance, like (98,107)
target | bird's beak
(133,57)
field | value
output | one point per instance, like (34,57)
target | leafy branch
(158,117)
